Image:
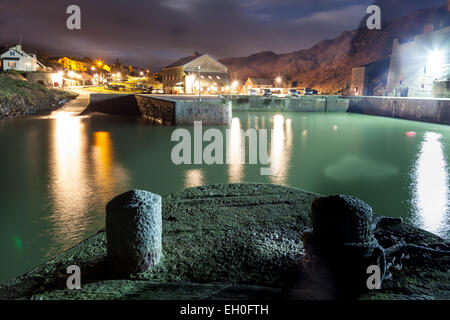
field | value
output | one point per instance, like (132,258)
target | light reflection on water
(430,186)
(235,152)
(81,180)
(280,149)
(193,178)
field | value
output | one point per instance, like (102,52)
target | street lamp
(233,85)
(279,80)
(199,86)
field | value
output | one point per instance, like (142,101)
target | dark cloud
(154,33)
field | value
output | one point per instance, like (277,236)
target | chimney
(196,53)
(19,46)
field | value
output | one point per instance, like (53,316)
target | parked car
(293,93)
(252,92)
(310,92)
(267,93)
(147,90)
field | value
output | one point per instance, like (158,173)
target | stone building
(370,79)
(420,67)
(190,74)
(257,84)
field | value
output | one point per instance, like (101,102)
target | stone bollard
(134,231)
(341,245)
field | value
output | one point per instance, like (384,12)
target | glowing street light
(278,79)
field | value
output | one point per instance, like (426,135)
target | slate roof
(183,61)
(261,81)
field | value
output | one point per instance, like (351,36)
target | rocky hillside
(327,65)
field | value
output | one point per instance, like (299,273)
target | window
(425,69)
(423,85)
(12,64)
(356,90)
(218,77)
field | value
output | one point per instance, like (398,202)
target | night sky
(156,32)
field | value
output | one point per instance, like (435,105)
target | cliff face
(327,66)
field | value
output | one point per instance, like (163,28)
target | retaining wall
(163,110)
(296,104)
(209,112)
(419,109)
(157,111)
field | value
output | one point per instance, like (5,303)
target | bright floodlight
(278,79)
(435,59)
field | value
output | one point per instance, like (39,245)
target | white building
(17,59)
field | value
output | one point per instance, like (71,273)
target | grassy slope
(32,94)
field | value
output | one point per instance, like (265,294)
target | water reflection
(430,185)
(193,178)
(235,152)
(68,176)
(280,149)
(83,177)
(103,160)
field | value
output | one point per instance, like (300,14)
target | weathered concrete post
(134,230)
(341,245)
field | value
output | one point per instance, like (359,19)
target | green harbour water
(58,172)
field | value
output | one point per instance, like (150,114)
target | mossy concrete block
(134,230)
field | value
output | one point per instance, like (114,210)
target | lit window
(218,77)
(210,77)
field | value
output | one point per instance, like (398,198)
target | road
(80,103)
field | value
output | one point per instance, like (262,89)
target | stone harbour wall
(209,112)
(419,109)
(296,104)
(156,110)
